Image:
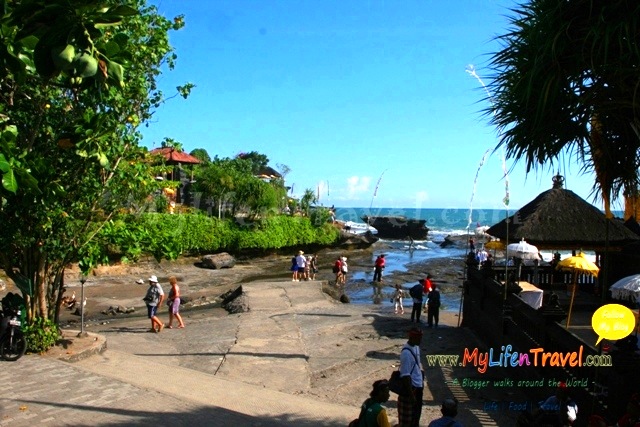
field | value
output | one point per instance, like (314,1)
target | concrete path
(140,383)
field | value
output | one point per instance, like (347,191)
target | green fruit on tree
(86,65)
(116,72)
(63,56)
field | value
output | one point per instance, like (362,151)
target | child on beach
(397,300)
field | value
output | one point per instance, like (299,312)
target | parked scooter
(13,343)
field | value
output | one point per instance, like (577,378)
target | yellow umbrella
(494,245)
(577,264)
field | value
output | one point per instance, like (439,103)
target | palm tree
(308,198)
(566,81)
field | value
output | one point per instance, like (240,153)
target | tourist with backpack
(412,376)
(153,299)
(416,295)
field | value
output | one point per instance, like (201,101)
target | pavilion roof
(560,219)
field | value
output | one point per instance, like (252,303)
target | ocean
(441,223)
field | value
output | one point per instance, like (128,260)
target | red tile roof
(173,156)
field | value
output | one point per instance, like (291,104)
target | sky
(368,103)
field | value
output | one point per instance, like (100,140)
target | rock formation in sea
(398,227)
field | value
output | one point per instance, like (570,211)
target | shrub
(41,335)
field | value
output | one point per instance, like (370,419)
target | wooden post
(573,294)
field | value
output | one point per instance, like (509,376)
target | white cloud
(357,185)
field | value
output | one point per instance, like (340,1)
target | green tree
(77,77)
(201,154)
(219,179)
(171,143)
(256,196)
(257,161)
(307,199)
(566,81)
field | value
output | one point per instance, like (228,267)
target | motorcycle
(13,343)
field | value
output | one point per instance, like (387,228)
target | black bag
(395,383)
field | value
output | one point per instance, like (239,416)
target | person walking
(398,295)
(153,299)
(449,411)
(433,307)
(174,303)
(372,413)
(378,267)
(410,402)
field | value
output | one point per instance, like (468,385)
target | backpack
(153,295)
(416,292)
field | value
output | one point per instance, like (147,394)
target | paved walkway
(136,385)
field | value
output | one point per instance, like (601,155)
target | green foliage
(307,199)
(257,161)
(232,181)
(77,78)
(171,143)
(161,203)
(170,236)
(201,154)
(565,84)
(320,216)
(41,335)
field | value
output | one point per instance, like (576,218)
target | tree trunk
(58,304)
(41,287)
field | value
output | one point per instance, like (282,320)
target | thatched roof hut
(560,219)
